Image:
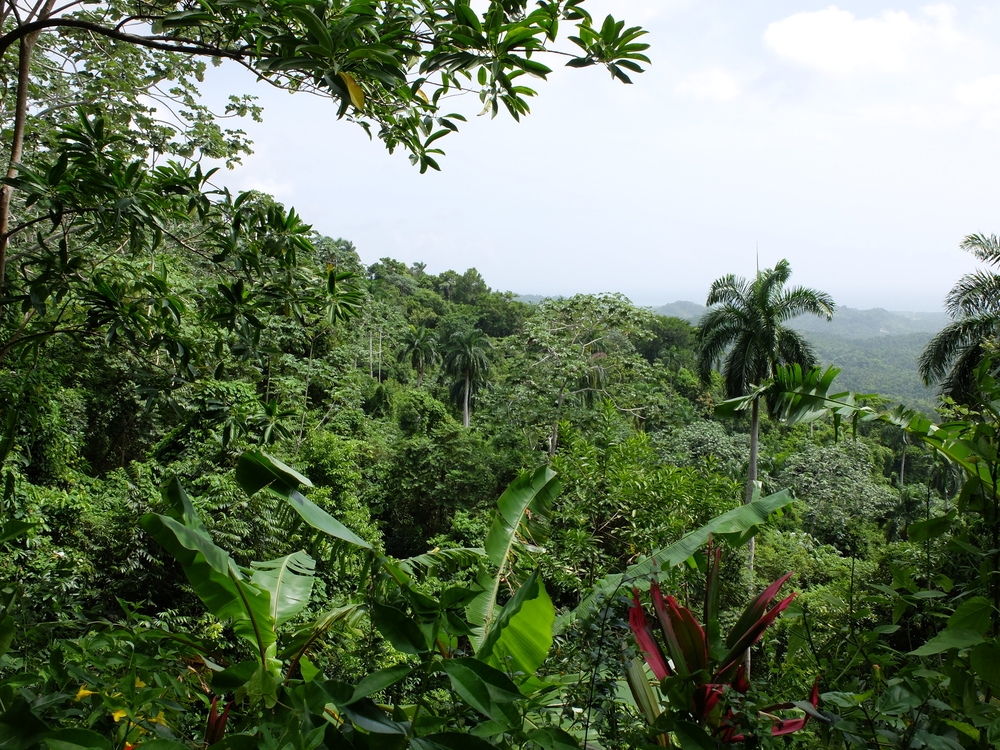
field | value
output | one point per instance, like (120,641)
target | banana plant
(518,635)
(260,599)
(701,674)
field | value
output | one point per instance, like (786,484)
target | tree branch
(189,47)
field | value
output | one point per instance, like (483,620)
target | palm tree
(466,357)
(420,346)
(744,328)
(951,357)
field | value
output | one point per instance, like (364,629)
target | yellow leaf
(83,693)
(423,96)
(357,95)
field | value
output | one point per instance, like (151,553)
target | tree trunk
(465,401)
(751,482)
(27,45)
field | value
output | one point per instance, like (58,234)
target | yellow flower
(119,715)
(83,693)
(139,683)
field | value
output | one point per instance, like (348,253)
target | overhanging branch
(191,48)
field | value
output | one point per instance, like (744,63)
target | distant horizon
(702,305)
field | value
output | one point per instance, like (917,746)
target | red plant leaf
(690,636)
(751,635)
(788,726)
(706,697)
(644,638)
(756,609)
(667,627)
(740,682)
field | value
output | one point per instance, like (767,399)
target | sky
(858,141)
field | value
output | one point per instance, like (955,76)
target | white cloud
(838,42)
(711,84)
(983,91)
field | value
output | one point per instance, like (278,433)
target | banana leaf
(521,635)
(213,574)
(519,510)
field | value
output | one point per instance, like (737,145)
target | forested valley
(258,494)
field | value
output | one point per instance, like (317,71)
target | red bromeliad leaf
(788,726)
(690,636)
(644,637)
(755,610)
(740,682)
(667,626)
(706,697)
(751,635)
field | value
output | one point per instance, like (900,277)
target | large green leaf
(948,639)
(521,635)
(380,680)
(510,519)
(735,526)
(256,470)
(14,529)
(7,631)
(450,741)
(77,739)
(975,614)
(213,575)
(985,661)
(289,581)
(403,633)
(527,496)
(553,738)
(486,689)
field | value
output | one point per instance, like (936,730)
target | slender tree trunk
(902,467)
(465,404)
(751,483)
(26,46)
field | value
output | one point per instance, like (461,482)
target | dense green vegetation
(256,494)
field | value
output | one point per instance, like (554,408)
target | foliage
(951,357)
(701,674)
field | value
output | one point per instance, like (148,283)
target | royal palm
(744,329)
(466,358)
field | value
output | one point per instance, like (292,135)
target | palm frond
(986,249)
(975,294)
(729,290)
(953,346)
(802,301)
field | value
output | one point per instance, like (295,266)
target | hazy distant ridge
(847,322)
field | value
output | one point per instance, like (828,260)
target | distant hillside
(860,324)
(876,350)
(848,322)
(531,299)
(690,311)
(886,365)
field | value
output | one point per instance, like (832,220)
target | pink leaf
(644,638)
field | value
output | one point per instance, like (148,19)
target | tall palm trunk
(748,498)
(465,400)
(752,468)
